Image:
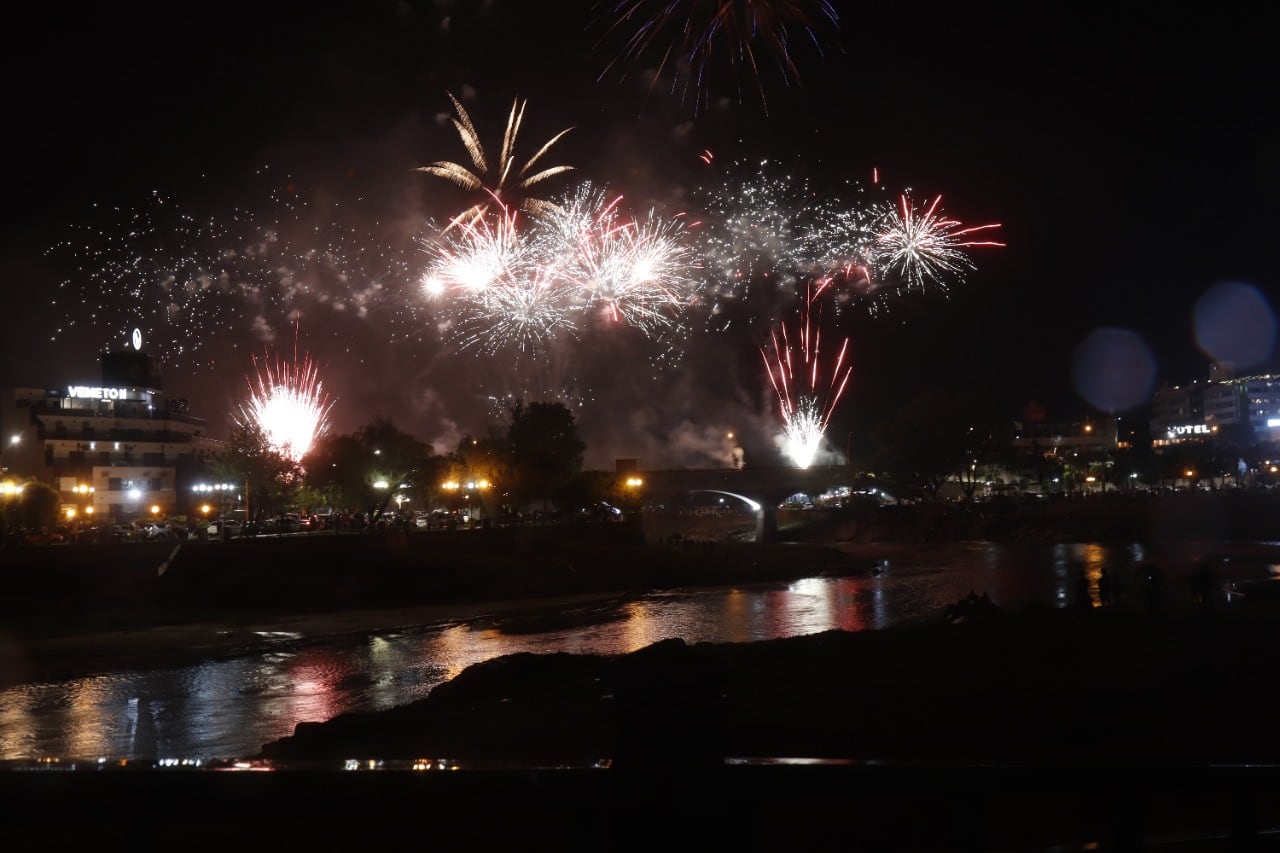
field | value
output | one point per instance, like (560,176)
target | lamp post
(12,442)
(478,486)
(632,486)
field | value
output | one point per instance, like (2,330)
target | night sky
(1132,159)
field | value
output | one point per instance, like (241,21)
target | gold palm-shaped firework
(504,186)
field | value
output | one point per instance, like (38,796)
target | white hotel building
(1197,410)
(115,449)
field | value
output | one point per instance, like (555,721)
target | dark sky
(1131,157)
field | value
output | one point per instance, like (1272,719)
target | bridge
(761,489)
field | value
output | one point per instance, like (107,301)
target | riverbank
(75,610)
(221,600)
(1119,686)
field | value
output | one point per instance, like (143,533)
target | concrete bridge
(761,489)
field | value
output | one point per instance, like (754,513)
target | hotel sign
(1189,429)
(89,392)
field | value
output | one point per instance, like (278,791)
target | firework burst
(688,39)
(503,294)
(503,183)
(807,389)
(521,287)
(288,404)
(186,278)
(634,272)
(766,234)
(923,246)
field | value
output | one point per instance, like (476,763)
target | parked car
(152,530)
(225,526)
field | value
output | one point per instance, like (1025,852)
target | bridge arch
(770,486)
(766,514)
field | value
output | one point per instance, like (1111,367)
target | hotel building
(115,449)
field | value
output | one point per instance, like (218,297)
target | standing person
(1104,587)
(1202,584)
(1082,591)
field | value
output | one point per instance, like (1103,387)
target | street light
(632,491)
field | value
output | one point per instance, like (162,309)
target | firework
(921,246)
(521,286)
(289,405)
(689,38)
(502,292)
(187,277)
(503,183)
(807,390)
(767,235)
(624,270)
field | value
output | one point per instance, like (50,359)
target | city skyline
(1130,186)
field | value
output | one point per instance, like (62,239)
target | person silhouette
(1202,584)
(1083,598)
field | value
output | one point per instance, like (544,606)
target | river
(228,709)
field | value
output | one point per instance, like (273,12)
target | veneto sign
(89,392)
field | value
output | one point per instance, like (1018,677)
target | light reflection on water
(230,708)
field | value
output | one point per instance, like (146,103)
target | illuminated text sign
(1190,429)
(88,392)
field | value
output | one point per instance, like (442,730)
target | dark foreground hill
(1117,729)
(1118,685)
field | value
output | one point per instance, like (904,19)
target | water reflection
(229,708)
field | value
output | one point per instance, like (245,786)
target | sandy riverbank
(565,577)
(218,611)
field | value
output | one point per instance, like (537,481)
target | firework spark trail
(525,286)
(687,38)
(289,405)
(187,278)
(633,272)
(766,234)
(807,391)
(920,246)
(502,184)
(499,285)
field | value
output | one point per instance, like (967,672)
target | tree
(942,434)
(545,449)
(367,469)
(271,478)
(34,508)
(336,472)
(486,464)
(592,487)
